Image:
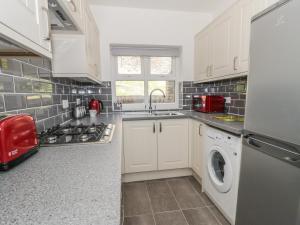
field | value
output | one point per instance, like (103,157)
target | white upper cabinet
(173,142)
(245,10)
(22,17)
(75,10)
(223,45)
(25,22)
(76,55)
(203,55)
(44,28)
(222,49)
(92,44)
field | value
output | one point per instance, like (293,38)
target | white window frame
(146,76)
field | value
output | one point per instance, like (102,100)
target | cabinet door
(197,147)
(140,146)
(92,45)
(245,10)
(173,142)
(202,55)
(22,17)
(44,26)
(223,46)
(97,54)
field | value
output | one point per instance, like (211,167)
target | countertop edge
(226,127)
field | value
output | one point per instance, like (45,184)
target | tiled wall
(234,88)
(27,86)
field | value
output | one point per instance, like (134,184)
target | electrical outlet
(228,100)
(65,104)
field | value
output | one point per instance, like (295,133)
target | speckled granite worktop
(67,185)
(209,119)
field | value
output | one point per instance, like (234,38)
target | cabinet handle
(73,4)
(235,59)
(154,128)
(200,130)
(160,127)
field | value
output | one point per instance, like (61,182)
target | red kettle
(96,104)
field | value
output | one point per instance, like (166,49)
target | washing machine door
(220,169)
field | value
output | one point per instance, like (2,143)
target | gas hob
(77,134)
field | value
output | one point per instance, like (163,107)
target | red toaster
(18,139)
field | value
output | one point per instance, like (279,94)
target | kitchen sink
(138,113)
(154,114)
(167,114)
(230,118)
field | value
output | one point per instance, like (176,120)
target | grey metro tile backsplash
(6,84)
(14,102)
(1,104)
(234,88)
(27,86)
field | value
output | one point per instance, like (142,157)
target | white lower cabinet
(151,145)
(197,146)
(173,142)
(140,146)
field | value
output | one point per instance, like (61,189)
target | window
(137,76)
(129,65)
(168,88)
(161,65)
(129,92)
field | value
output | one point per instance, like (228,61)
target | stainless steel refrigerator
(269,189)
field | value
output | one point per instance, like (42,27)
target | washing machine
(222,156)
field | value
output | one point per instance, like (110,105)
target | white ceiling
(204,6)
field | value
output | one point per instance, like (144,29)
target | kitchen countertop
(66,185)
(209,119)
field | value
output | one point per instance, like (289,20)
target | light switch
(65,104)
(228,100)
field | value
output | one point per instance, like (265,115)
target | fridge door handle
(283,153)
(252,142)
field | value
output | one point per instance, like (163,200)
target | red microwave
(208,104)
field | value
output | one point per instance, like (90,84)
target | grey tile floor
(175,201)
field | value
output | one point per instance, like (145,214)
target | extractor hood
(59,19)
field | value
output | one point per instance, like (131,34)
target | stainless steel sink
(138,113)
(167,114)
(154,114)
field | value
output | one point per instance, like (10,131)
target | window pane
(167,86)
(129,65)
(129,92)
(161,65)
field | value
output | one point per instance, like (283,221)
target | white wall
(222,7)
(144,26)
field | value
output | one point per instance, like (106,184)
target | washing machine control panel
(223,137)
